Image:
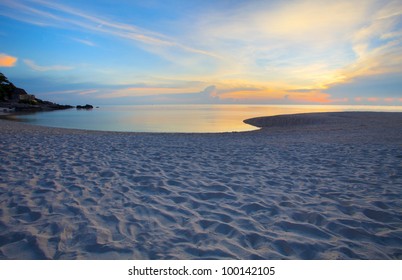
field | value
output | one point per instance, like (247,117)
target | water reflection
(177,118)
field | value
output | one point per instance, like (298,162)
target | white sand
(321,186)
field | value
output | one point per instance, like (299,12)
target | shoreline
(326,188)
(137,119)
(357,126)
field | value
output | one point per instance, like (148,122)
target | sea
(177,118)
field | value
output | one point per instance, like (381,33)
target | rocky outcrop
(18,99)
(85,107)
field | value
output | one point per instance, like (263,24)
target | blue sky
(271,52)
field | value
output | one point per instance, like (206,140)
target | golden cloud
(7,60)
(273,94)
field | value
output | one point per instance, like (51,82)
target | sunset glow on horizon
(146,52)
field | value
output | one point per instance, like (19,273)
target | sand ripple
(67,194)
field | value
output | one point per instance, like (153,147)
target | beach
(308,186)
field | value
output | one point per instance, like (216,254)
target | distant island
(17,99)
(85,107)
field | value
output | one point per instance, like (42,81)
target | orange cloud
(311,97)
(266,94)
(7,60)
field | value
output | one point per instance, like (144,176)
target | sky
(201,51)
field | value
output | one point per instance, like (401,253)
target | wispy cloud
(7,60)
(147,91)
(287,51)
(305,44)
(74,92)
(42,13)
(31,64)
(377,44)
(85,42)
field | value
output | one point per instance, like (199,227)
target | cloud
(321,22)
(74,92)
(300,43)
(268,51)
(157,95)
(306,44)
(147,91)
(247,93)
(375,74)
(385,85)
(267,26)
(7,60)
(85,42)
(49,13)
(31,64)
(390,10)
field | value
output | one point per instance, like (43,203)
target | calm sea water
(177,118)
